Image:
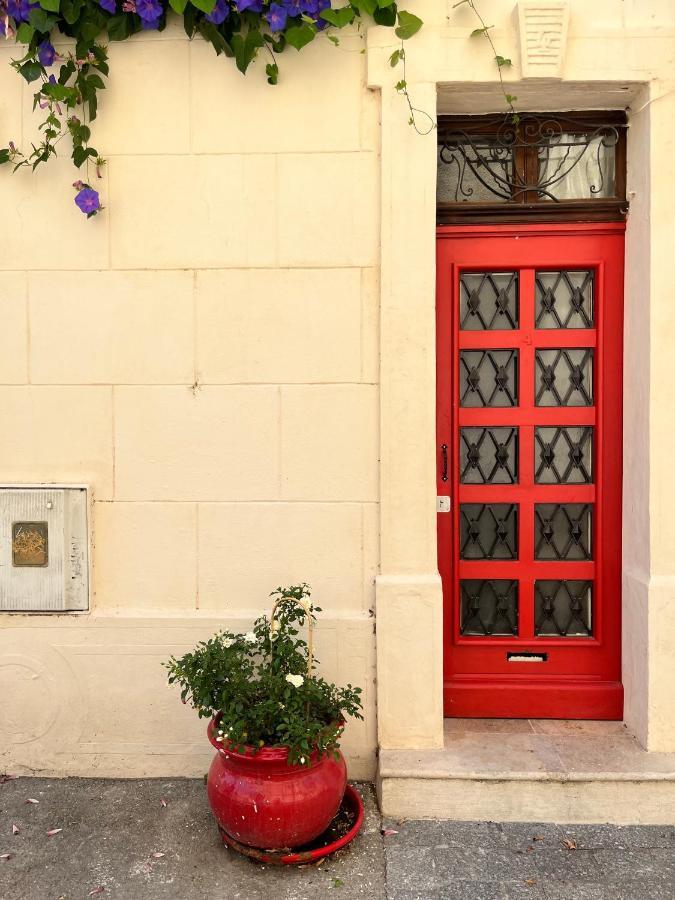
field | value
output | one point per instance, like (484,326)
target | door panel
(529,412)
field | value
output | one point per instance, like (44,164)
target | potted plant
(278,777)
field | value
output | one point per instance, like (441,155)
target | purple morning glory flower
(87,200)
(46,53)
(250,5)
(313,8)
(277,17)
(19,10)
(150,12)
(150,24)
(109,6)
(292,7)
(219,12)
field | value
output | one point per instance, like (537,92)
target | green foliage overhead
(68,84)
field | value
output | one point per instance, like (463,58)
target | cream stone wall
(204,355)
(207,355)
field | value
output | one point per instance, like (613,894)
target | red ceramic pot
(262,801)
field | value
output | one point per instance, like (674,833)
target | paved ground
(112,833)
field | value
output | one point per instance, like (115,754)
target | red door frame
(581,676)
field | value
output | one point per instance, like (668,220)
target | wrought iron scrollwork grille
(532,159)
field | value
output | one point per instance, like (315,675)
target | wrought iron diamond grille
(564,377)
(563,608)
(488,301)
(563,455)
(488,455)
(564,299)
(489,607)
(563,531)
(488,377)
(488,531)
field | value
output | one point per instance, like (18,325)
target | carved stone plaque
(543,37)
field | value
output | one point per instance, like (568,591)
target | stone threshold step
(520,771)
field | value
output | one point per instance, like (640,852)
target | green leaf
(502,61)
(272,72)
(41,21)
(408,25)
(206,6)
(401,85)
(87,32)
(81,154)
(245,48)
(300,35)
(210,33)
(394,59)
(365,6)
(178,6)
(50,5)
(71,9)
(25,33)
(189,20)
(510,98)
(4,155)
(67,69)
(120,27)
(339,17)
(95,81)
(385,16)
(478,31)
(60,93)
(31,71)
(333,39)
(383,4)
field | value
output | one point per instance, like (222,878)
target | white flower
(227,642)
(250,638)
(219,738)
(302,760)
(295,680)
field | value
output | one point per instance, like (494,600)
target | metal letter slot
(525,656)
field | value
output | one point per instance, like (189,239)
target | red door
(529,408)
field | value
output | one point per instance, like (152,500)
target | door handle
(444,452)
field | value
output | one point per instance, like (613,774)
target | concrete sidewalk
(113,832)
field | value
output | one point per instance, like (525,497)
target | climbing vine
(67,84)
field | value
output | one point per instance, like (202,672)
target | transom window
(532,166)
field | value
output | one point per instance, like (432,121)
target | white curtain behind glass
(576,183)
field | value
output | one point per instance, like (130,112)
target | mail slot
(525,656)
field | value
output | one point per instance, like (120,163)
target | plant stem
(413,109)
(488,36)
